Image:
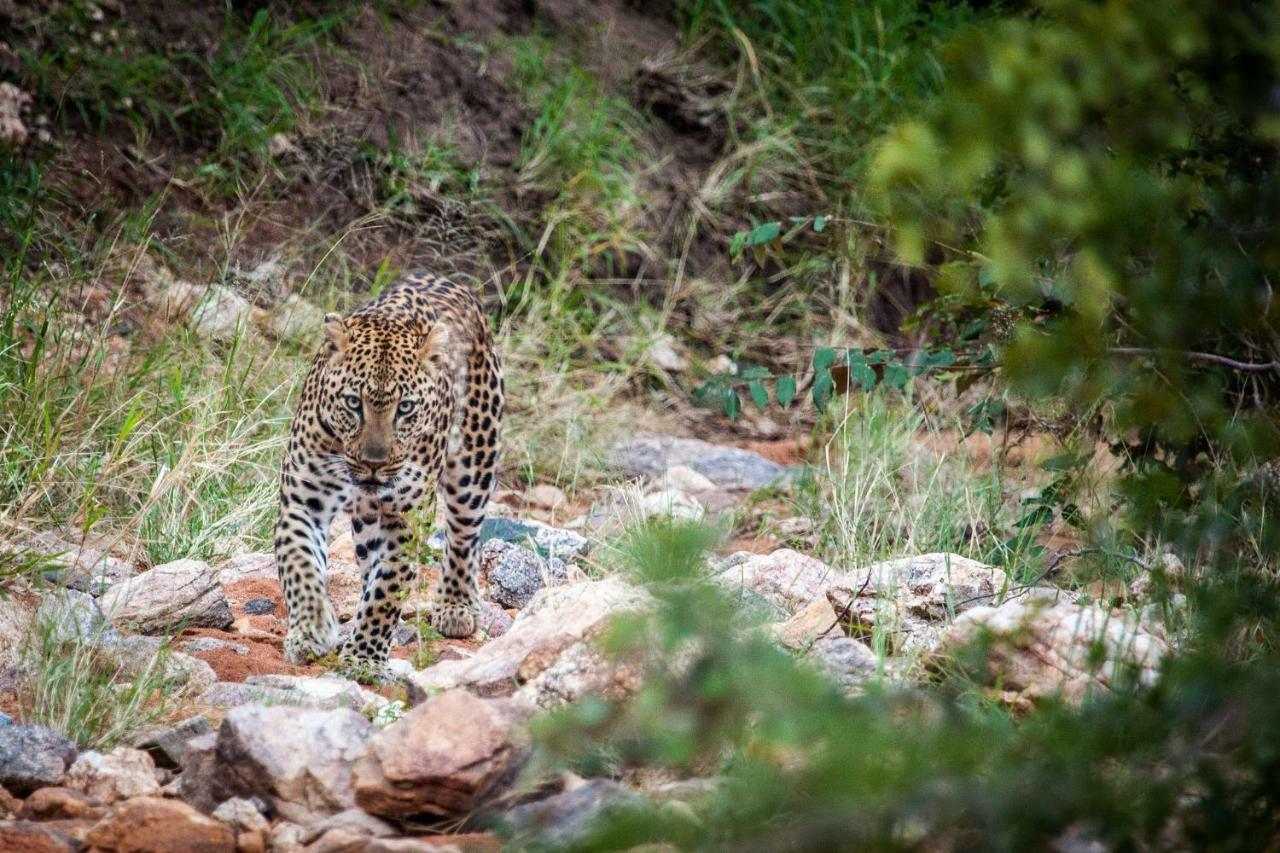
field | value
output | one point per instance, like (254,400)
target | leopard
(401,407)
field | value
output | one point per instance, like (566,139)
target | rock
(168,745)
(788,578)
(199,784)
(242,815)
(139,656)
(209,644)
(285,837)
(672,504)
(554,620)
(21,836)
(220,314)
(545,496)
(259,607)
(848,661)
(563,820)
(727,467)
(16,618)
(350,821)
(548,541)
(152,824)
(33,757)
(816,619)
(14,104)
(296,760)
(184,593)
(61,804)
(1033,649)
(914,597)
(120,774)
(257,565)
(445,757)
(294,319)
(514,573)
(5,720)
(579,671)
(74,617)
(320,692)
(493,620)
(79,565)
(685,479)
(663,354)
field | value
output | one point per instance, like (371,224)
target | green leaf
(819,223)
(896,375)
(758,395)
(735,245)
(1061,462)
(732,405)
(822,386)
(941,358)
(766,233)
(823,357)
(786,390)
(860,371)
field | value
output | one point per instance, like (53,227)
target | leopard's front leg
(310,497)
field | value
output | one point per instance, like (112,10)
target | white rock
(1072,650)
(673,504)
(120,774)
(257,565)
(685,479)
(663,353)
(553,621)
(294,319)
(181,593)
(788,578)
(220,313)
(241,815)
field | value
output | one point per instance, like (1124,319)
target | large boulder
(554,620)
(445,757)
(788,578)
(297,760)
(33,757)
(1033,649)
(184,593)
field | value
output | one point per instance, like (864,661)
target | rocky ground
(255,754)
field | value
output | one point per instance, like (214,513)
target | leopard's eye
(352,402)
(406,406)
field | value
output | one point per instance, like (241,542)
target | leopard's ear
(335,330)
(431,346)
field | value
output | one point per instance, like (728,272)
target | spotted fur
(403,396)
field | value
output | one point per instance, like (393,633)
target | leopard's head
(383,387)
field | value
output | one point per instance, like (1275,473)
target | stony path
(261,755)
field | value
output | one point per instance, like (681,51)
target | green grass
(91,694)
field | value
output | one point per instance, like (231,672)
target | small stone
(788,578)
(120,774)
(849,661)
(294,319)
(514,573)
(445,757)
(817,619)
(285,837)
(254,841)
(61,804)
(663,353)
(153,824)
(242,815)
(211,644)
(5,720)
(168,745)
(256,565)
(685,479)
(259,607)
(545,496)
(184,593)
(220,314)
(74,617)
(672,504)
(32,757)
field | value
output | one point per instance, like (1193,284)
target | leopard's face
(382,390)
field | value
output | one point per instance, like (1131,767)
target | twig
(1253,366)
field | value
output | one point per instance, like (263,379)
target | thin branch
(1253,366)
